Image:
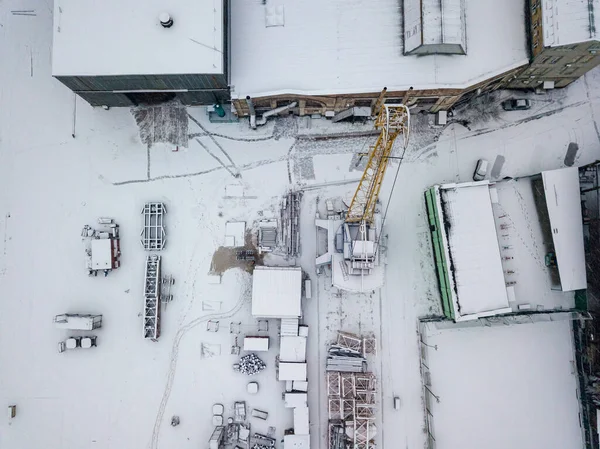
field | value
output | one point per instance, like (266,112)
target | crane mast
(392,120)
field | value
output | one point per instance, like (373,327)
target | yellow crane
(353,237)
(392,120)
(362,224)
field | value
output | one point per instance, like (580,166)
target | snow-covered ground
(124,392)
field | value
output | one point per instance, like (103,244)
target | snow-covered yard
(124,392)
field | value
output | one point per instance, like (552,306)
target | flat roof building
(500,386)
(276,292)
(117,54)
(508,246)
(361,49)
(564,42)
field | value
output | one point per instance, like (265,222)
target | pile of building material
(259,441)
(267,235)
(351,393)
(157,289)
(152,298)
(345,360)
(250,364)
(290,223)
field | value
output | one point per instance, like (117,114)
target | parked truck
(81,322)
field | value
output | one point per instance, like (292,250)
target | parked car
(516,104)
(480,170)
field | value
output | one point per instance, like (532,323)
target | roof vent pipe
(165,20)
(252,112)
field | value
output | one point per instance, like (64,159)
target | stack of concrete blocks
(292,370)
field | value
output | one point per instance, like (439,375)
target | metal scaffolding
(335,407)
(370,345)
(350,341)
(153,236)
(351,401)
(152,298)
(333,383)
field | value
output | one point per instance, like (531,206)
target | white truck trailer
(81,322)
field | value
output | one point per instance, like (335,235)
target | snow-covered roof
(570,21)
(79,322)
(256,343)
(293,400)
(473,245)
(301,421)
(292,349)
(235,233)
(503,387)
(563,201)
(296,442)
(292,371)
(360,48)
(101,254)
(436,23)
(276,292)
(112,37)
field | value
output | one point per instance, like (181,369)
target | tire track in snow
(216,142)
(173,363)
(215,157)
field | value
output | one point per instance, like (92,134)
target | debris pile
(250,364)
(345,360)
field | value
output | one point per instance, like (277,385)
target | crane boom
(392,120)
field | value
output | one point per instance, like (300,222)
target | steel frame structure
(352,400)
(152,298)
(153,236)
(348,385)
(334,407)
(369,345)
(333,383)
(350,341)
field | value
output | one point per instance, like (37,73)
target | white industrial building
(277,292)
(499,386)
(508,246)
(146,51)
(362,48)
(568,22)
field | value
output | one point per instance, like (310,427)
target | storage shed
(276,292)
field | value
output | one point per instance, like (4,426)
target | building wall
(114,90)
(536,35)
(432,100)
(562,64)
(128,90)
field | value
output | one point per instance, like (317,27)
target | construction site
(326,266)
